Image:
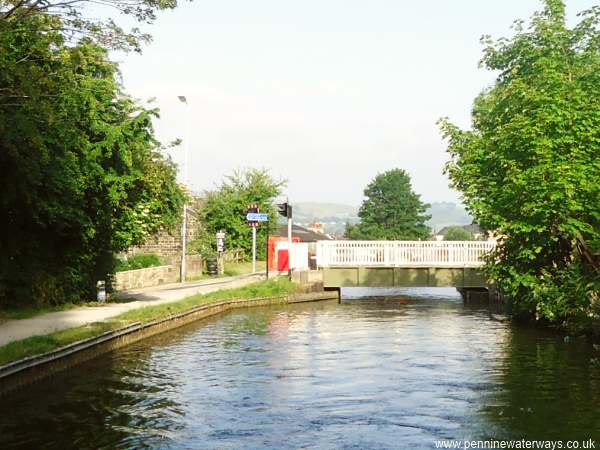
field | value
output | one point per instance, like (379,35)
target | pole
(289,236)
(183,274)
(183,243)
(267,252)
(253,249)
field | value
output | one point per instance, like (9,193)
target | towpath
(14,330)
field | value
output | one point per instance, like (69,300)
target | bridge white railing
(402,253)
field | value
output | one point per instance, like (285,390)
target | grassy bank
(271,288)
(242,268)
(40,344)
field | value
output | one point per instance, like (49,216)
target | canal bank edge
(28,370)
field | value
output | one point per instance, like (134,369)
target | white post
(253,249)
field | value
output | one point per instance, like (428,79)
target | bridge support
(338,290)
(474,295)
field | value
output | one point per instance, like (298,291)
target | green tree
(391,210)
(225,209)
(81,174)
(529,168)
(72,20)
(458,234)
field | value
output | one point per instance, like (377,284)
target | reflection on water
(374,372)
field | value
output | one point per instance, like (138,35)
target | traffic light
(282,209)
(252,209)
(285,209)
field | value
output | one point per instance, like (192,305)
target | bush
(225,209)
(138,262)
(458,234)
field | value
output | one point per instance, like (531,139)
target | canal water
(374,372)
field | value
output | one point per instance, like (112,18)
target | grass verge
(271,288)
(37,345)
(242,268)
(41,344)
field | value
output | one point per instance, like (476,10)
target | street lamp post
(185,181)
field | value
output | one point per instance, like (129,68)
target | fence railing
(233,255)
(402,253)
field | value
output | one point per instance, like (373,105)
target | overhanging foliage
(530,169)
(81,174)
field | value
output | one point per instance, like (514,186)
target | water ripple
(373,372)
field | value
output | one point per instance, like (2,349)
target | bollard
(101,291)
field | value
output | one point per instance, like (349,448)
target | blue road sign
(257,217)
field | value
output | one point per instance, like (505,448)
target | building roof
(304,234)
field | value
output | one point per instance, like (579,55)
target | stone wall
(151,276)
(168,243)
(154,276)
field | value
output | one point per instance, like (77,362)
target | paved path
(14,330)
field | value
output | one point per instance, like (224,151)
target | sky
(323,93)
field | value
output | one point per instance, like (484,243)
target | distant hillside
(444,214)
(335,215)
(317,210)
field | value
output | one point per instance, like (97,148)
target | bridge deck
(402,253)
(402,263)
